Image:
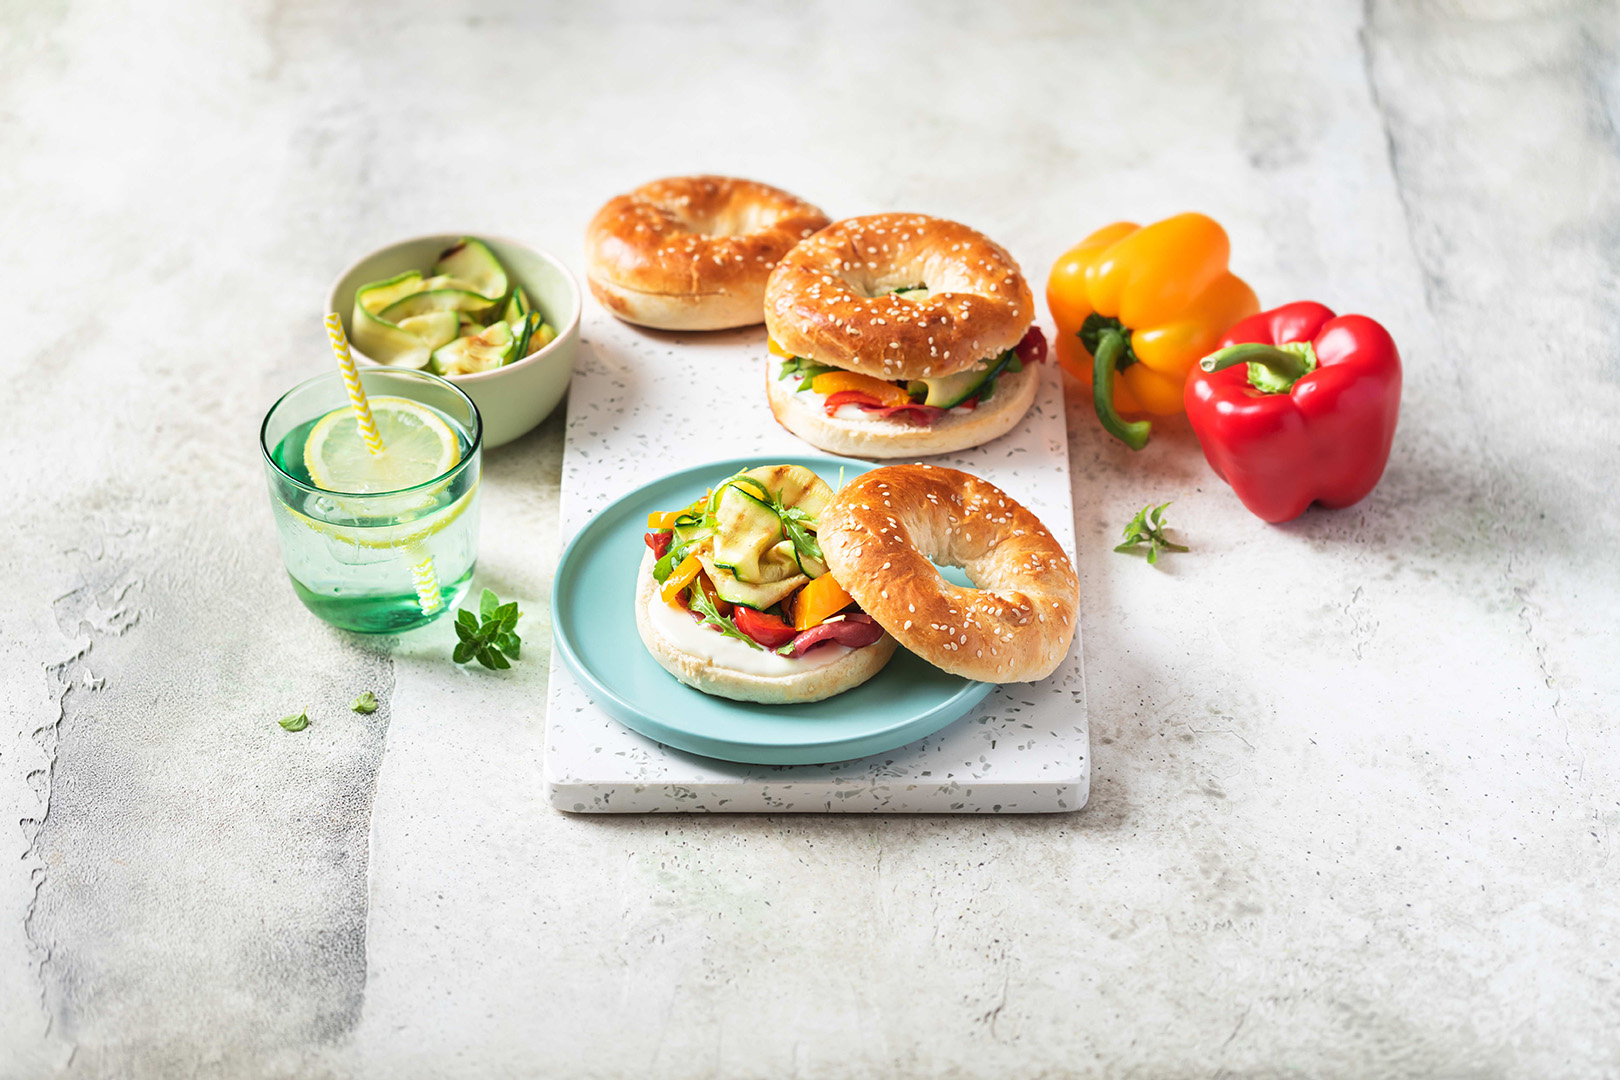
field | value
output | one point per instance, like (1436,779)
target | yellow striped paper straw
(426,579)
(424,576)
(351,379)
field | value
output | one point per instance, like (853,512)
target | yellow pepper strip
(777,350)
(679,578)
(831,382)
(1155,300)
(663,521)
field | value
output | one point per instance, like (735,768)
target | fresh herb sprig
(672,558)
(297,722)
(807,370)
(365,703)
(490,637)
(1147,527)
(711,616)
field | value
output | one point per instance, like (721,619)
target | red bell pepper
(1299,405)
(768,630)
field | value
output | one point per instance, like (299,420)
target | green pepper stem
(1273,369)
(1110,345)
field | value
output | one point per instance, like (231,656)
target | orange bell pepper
(819,601)
(1145,304)
(831,382)
(682,576)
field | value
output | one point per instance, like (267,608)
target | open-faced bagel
(885,530)
(831,299)
(810,682)
(693,252)
(958,429)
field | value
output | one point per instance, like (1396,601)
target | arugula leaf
(794,521)
(295,723)
(1147,527)
(703,606)
(676,554)
(490,636)
(808,372)
(365,703)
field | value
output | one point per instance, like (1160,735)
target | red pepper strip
(970,404)
(1032,349)
(851,397)
(1298,406)
(856,630)
(659,542)
(918,414)
(768,630)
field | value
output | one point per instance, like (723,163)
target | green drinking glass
(396,551)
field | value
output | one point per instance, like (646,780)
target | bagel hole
(873,288)
(735,220)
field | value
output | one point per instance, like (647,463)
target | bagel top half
(831,299)
(886,529)
(693,252)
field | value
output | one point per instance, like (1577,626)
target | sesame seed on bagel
(832,298)
(885,532)
(693,252)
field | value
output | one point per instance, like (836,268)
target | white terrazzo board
(643,404)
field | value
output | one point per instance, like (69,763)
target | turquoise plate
(593,618)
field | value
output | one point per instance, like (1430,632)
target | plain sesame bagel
(887,528)
(805,415)
(831,299)
(693,252)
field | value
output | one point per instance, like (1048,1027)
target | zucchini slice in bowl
(476,352)
(421,303)
(473,263)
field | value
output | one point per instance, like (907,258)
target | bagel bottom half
(804,415)
(702,673)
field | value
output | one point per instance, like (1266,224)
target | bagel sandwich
(734,599)
(900,335)
(773,588)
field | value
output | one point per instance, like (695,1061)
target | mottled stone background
(1354,798)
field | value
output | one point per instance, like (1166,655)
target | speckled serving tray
(643,404)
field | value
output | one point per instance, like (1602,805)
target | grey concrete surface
(1354,799)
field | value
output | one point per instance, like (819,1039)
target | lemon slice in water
(418,445)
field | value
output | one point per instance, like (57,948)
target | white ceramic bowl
(514,398)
